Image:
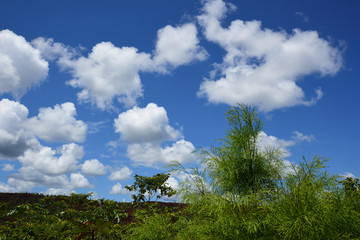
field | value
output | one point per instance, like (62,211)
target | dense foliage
(240,190)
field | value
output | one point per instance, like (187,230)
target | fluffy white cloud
(123,174)
(111,72)
(51,50)
(173,183)
(177,46)
(149,154)
(6,188)
(77,180)
(149,124)
(118,189)
(265,141)
(21,65)
(17,132)
(108,72)
(93,167)
(29,177)
(14,140)
(45,160)
(58,124)
(8,167)
(262,66)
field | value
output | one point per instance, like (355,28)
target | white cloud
(77,180)
(145,129)
(118,189)
(29,177)
(148,154)
(177,46)
(111,72)
(173,183)
(45,160)
(149,124)
(108,72)
(14,140)
(123,174)
(300,137)
(58,124)
(21,65)
(265,141)
(51,50)
(17,132)
(6,188)
(58,191)
(261,66)
(93,168)
(8,167)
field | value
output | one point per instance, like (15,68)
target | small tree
(148,187)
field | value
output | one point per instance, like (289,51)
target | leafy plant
(148,187)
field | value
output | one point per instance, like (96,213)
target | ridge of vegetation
(239,191)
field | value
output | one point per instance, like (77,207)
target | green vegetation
(148,187)
(240,191)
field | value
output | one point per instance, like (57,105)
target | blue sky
(92,92)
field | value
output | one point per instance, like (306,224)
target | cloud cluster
(149,154)
(111,72)
(58,124)
(21,65)
(261,66)
(146,129)
(18,132)
(42,165)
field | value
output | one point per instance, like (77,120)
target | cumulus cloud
(27,178)
(146,130)
(21,65)
(93,167)
(58,124)
(47,161)
(111,72)
(108,72)
(14,139)
(6,188)
(118,189)
(177,46)
(8,167)
(18,132)
(148,154)
(261,66)
(173,183)
(119,175)
(77,180)
(51,50)
(266,141)
(149,124)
